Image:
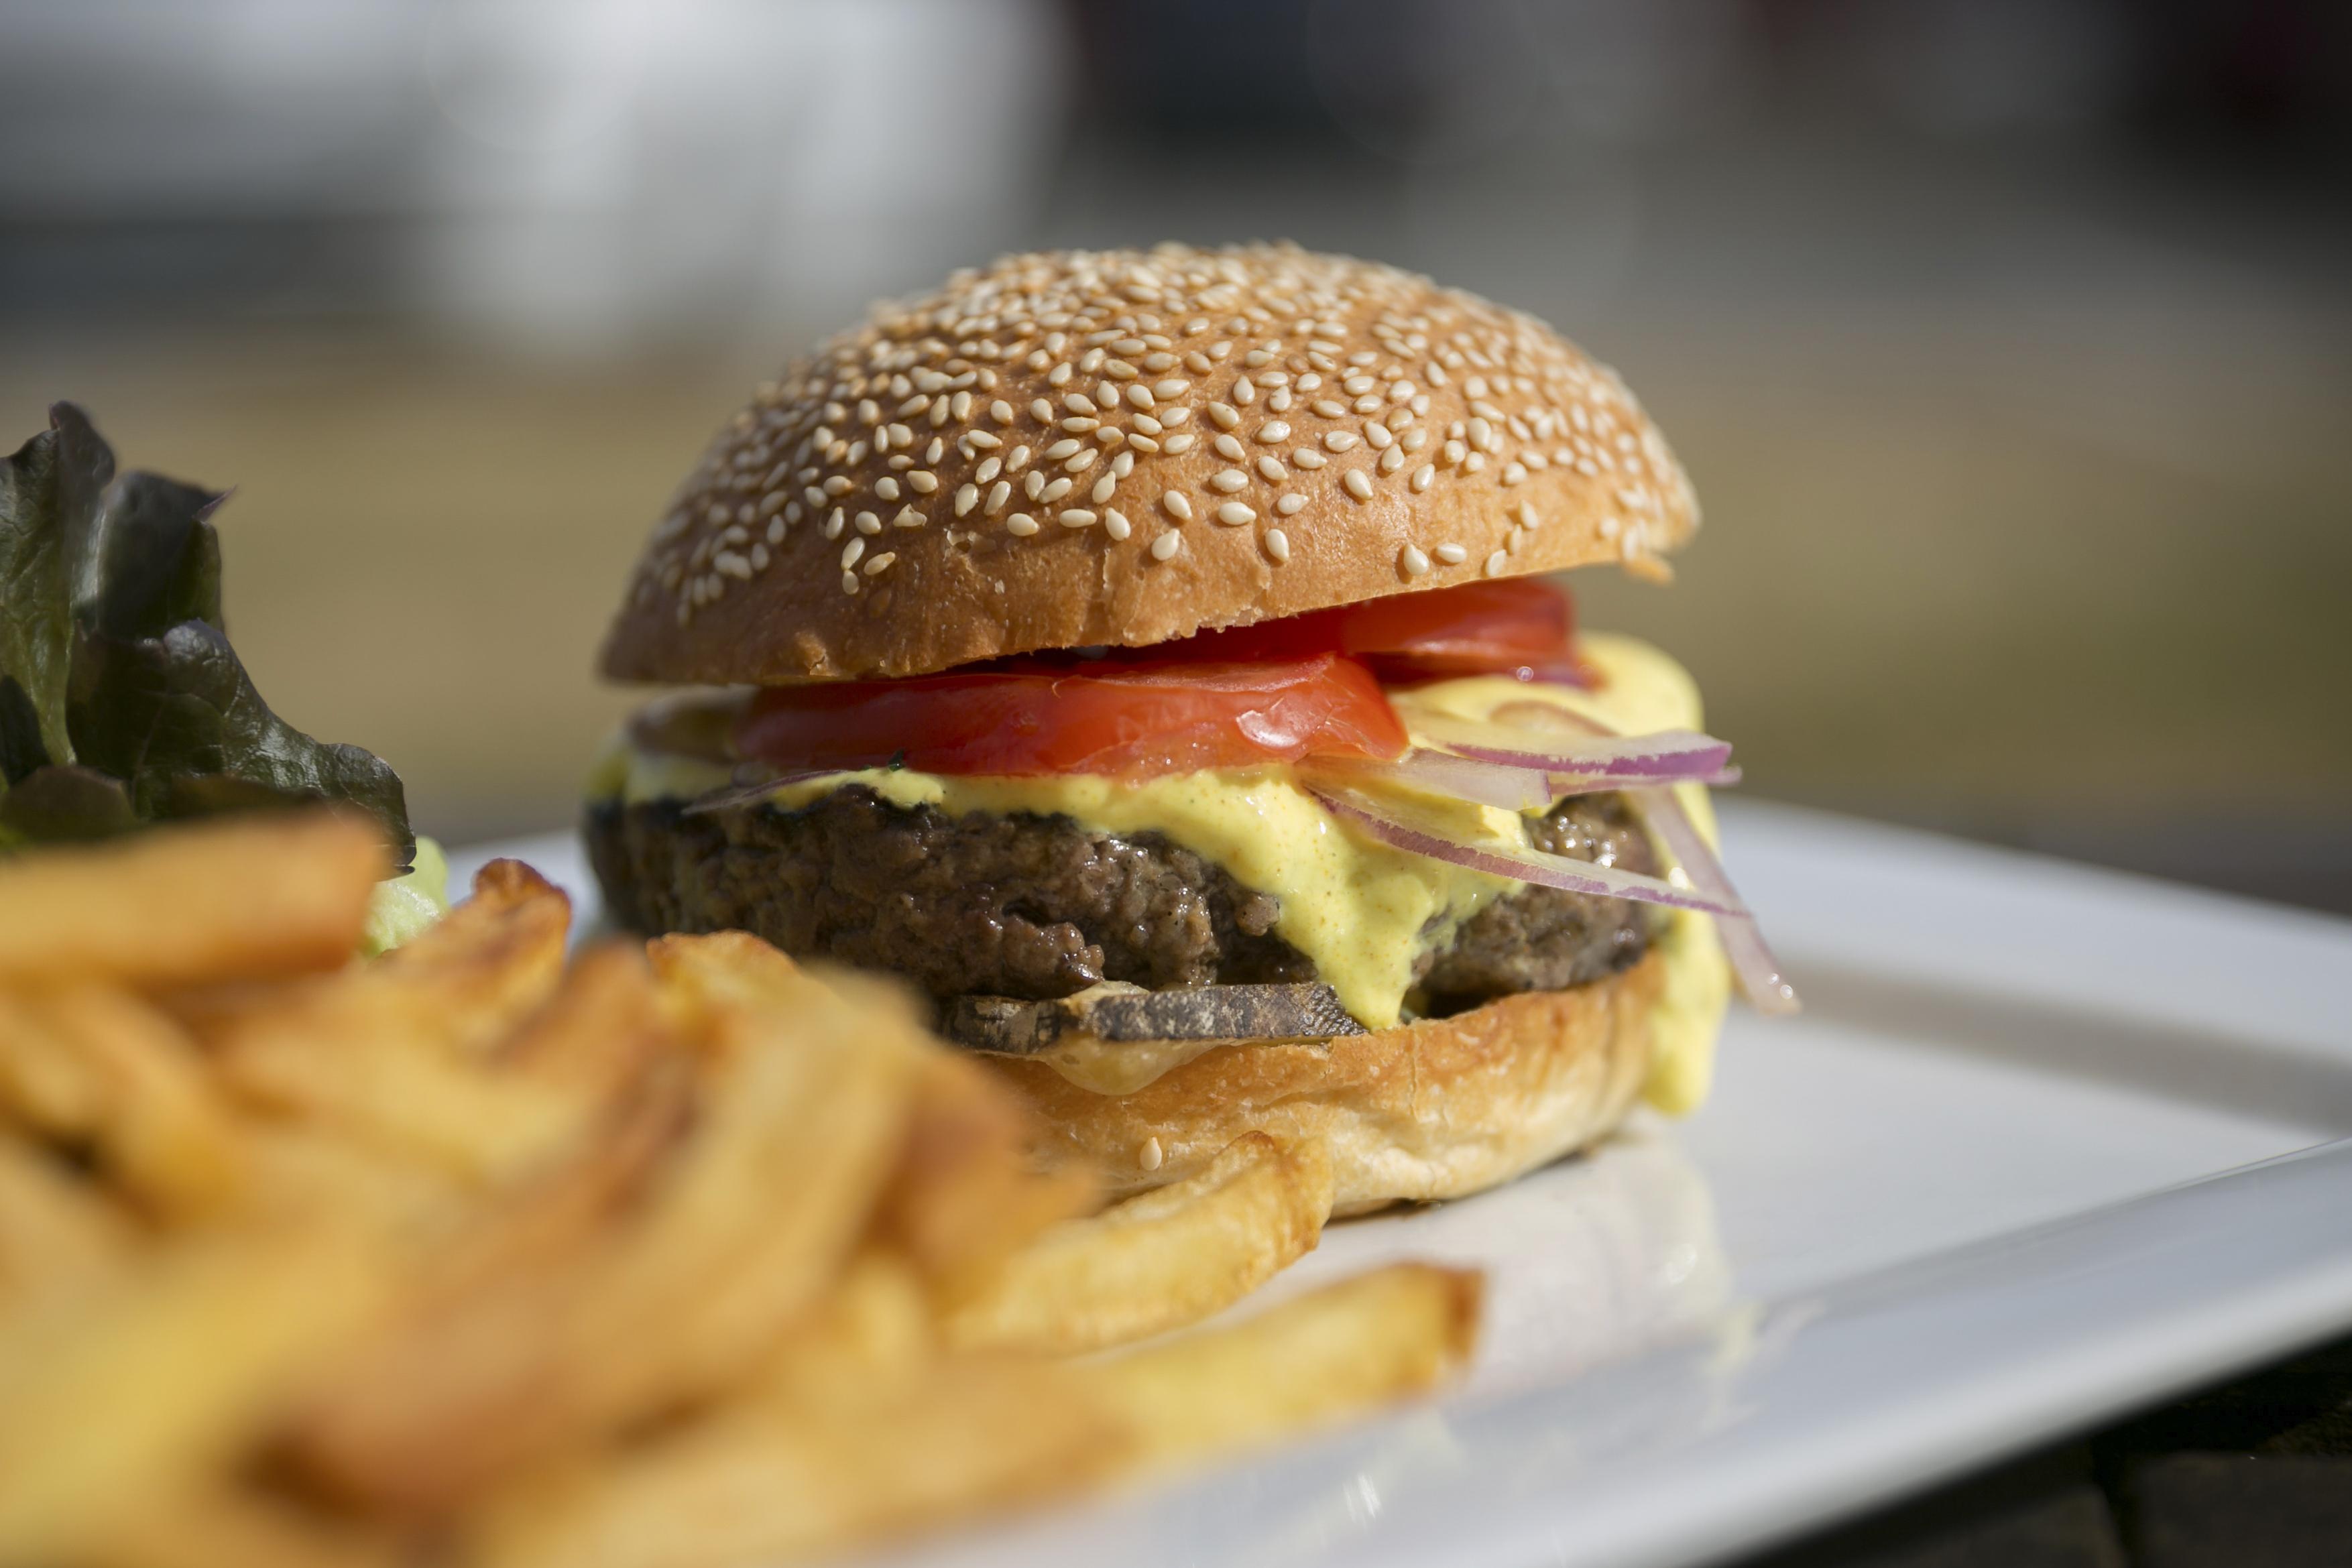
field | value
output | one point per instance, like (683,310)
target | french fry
(217,1526)
(1338,1351)
(45,1083)
(603,1023)
(57,1234)
(760,1484)
(754,1217)
(136,1388)
(166,1131)
(868,1344)
(407,1096)
(446,1392)
(964,1195)
(248,898)
(682,1257)
(459,987)
(1160,1260)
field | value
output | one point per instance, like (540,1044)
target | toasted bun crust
(878,510)
(1430,1110)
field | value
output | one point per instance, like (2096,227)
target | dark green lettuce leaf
(121,699)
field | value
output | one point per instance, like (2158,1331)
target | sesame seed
(1224,415)
(867,523)
(1060,449)
(1338,440)
(1289,503)
(923,484)
(1308,457)
(1278,545)
(1056,490)
(998,494)
(982,439)
(1245,392)
(848,583)
(1178,505)
(1234,514)
(880,563)
(1114,523)
(1079,462)
(1178,445)
(1272,432)
(1174,387)
(1359,484)
(967,497)
(887,487)
(1228,480)
(1000,412)
(1103,489)
(1167,545)
(1077,517)
(1422,475)
(1410,561)
(1528,515)
(908,518)
(851,551)
(1271,468)
(1150,1155)
(1228,447)
(1022,524)
(1514,473)
(836,522)
(1452,554)
(1016,460)
(1497,564)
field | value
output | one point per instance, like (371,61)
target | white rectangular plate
(2046,1144)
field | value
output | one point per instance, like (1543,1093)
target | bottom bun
(1429,1110)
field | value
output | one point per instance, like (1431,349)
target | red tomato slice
(1109,717)
(1472,628)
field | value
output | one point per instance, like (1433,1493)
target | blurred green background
(2009,345)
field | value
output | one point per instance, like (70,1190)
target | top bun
(1074,448)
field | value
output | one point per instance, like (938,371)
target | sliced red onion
(1563,784)
(1743,940)
(1443,773)
(1518,861)
(1672,754)
(746,792)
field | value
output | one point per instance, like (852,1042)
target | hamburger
(1144,655)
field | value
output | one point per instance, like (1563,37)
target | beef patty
(1037,906)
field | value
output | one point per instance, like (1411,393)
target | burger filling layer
(1024,905)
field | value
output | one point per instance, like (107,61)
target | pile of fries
(674,1254)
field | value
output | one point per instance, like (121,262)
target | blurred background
(2009,341)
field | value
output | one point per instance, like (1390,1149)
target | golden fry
(135,1389)
(459,1114)
(167,1133)
(1338,1351)
(1158,1261)
(247,898)
(753,1217)
(459,987)
(753,1486)
(45,1083)
(964,1195)
(233,1527)
(57,1234)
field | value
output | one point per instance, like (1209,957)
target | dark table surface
(2253,1474)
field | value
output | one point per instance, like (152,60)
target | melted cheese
(1362,911)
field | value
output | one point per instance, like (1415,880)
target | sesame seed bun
(1424,1111)
(1076,448)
